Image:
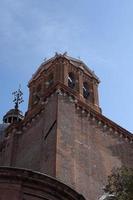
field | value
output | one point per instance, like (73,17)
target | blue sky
(100,32)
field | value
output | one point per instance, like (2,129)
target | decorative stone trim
(97,118)
(106,124)
(19,132)
(59,92)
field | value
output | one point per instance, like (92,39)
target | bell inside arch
(71,80)
(86,92)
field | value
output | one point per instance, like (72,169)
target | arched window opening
(86,92)
(50,79)
(71,80)
(5,121)
(14,119)
(9,119)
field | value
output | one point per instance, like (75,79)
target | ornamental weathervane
(18,97)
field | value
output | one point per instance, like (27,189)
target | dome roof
(13,115)
(13,112)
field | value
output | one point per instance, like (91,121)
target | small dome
(14,112)
(13,115)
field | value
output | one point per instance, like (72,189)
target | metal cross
(18,97)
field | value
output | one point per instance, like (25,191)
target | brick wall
(63,142)
(85,152)
(35,147)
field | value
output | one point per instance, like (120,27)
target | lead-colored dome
(13,115)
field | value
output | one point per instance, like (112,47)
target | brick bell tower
(67,74)
(64,133)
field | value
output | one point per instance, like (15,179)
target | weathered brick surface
(70,140)
(85,153)
(34,151)
(10,191)
(64,143)
(35,147)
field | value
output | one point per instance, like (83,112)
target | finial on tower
(65,53)
(15,115)
(56,54)
(18,97)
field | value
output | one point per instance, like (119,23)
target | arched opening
(10,120)
(71,80)
(14,119)
(50,80)
(86,92)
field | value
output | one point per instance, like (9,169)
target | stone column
(80,79)
(96,97)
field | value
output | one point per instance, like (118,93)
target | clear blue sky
(99,31)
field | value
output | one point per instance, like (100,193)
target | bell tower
(68,74)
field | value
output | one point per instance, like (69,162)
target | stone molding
(61,90)
(38,184)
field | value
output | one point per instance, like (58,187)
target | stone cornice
(55,60)
(38,182)
(98,119)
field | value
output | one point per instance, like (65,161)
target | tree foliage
(120,183)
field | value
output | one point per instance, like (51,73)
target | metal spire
(18,97)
